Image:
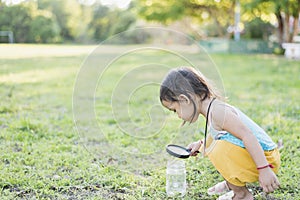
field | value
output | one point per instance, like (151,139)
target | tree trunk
(295,28)
(286,27)
(280,26)
(296,21)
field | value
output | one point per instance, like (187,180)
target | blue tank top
(263,138)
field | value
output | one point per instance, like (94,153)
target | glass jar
(176,178)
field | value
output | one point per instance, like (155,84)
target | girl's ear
(184,98)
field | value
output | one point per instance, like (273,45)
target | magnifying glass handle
(195,151)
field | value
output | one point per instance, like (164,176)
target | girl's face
(184,109)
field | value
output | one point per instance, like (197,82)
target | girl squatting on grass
(239,149)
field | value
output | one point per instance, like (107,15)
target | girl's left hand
(194,147)
(268,180)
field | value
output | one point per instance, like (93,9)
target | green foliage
(61,12)
(44,29)
(258,29)
(162,11)
(278,51)
(30,24)
(127,19)
(53,21)
(209,13)
(100,24)
(281,10)
(18,23)
(217,16)
(106,22)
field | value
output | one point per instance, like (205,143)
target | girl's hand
(268,180)
(194,147)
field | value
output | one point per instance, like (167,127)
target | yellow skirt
(234,163)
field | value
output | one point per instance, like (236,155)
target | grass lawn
(44,157)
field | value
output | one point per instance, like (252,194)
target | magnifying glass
(178,151)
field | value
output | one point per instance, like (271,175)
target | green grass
(43,156)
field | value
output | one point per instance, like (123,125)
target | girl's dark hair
(187,81)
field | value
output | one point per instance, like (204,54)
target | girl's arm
(224,118)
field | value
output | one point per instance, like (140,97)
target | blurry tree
(100,23)
(29,24)
(72,17)
(162,11)
(18,23)
(44,28)
(286,13)
(62,13)
(258,29)
(218,12)
(83,35)
(126,19)
(63,21)
(109,21)
(78,18)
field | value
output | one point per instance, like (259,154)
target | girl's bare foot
(219,188)
(240,192)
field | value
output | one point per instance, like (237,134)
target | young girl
(238,148)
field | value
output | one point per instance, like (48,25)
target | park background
(41,153)
(92,21)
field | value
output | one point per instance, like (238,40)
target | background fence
(243,46)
